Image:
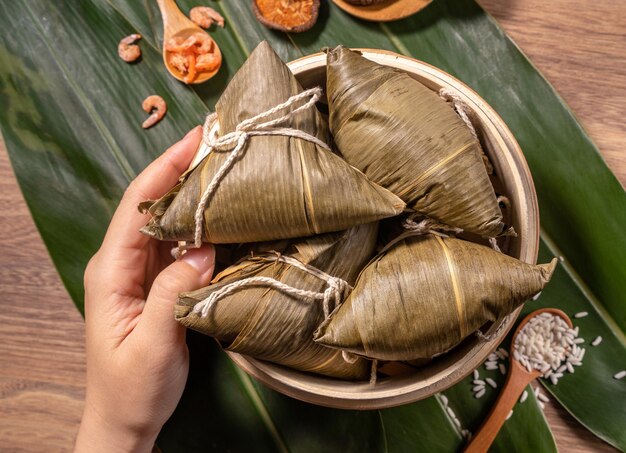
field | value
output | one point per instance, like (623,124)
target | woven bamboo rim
(513,173)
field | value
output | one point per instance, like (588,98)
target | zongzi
(271,324)
(281,185)
(404,137)
(423,295)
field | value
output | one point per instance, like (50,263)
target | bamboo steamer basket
(513,179)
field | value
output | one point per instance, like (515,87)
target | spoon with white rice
(543,342)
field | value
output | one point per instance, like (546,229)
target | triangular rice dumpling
(404,137)
(281,187)
(269,324)
(425,294)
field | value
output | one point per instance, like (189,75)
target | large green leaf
(75,141)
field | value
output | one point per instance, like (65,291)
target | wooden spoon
(516,381)
(175,23)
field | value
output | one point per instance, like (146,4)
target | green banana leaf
(75,142)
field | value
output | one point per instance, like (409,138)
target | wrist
(97,434)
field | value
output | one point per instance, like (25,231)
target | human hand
(137,359)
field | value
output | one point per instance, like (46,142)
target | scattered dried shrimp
(127,49)
(156,106)
(205,17)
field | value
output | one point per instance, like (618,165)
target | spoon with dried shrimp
(189,53)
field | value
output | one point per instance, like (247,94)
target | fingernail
(202,260)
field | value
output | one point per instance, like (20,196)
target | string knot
(235,142)
(426,225)
(335,292)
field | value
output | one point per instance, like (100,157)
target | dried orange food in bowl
(287,15)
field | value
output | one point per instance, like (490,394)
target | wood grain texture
(581,49)
(42,353)
(580,46)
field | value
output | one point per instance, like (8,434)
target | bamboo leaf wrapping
(404,137)
(268,324)
(425,294)
(282,187)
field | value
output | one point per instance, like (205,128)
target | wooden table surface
(579,45)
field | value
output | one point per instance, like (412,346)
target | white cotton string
(336,289)
(348,357)
(460,106)
(332,293)
(235,142)
(493,242)
(507,205)
(374,372)
(429,226)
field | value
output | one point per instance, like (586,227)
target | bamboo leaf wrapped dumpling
(281,186)
(425,294)
(272,325)
(404,137)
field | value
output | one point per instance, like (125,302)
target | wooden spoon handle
(173,18)
(517,380)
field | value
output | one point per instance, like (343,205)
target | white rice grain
(502,368)
(547,344)
(510,414)
(620,375)
(491,382)
(476,374)
(597,341)
(554,379)
(479,394)
(581,314)
(524,396)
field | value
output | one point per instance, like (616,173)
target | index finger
(159,177)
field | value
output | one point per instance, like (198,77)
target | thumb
(194,270)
